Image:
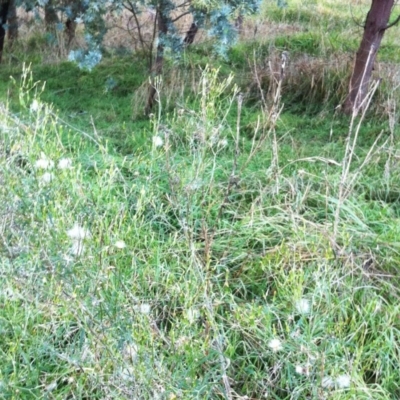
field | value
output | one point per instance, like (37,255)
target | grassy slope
(214,268)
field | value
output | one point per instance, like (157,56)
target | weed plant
(206,265)
(242,243)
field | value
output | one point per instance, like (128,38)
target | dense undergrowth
(240,243)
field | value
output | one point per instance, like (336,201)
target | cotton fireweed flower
(144,308)
(77,233)
(64,163)
(34,107)
(303,306)
(299,369)
(327,382)
(275,345)
(158,141)
(343,381)
(192,314)
(46,178)
(77,248)
(44,163)
(223,143)
(120,244)
(130,351)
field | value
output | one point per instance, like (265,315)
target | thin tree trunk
(191,33)
(12,18)
(4,6)
(239,23)
(70,30)
(374,29)
(162,22)
(50,16)
(76,7)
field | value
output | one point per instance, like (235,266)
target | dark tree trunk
(4,6)
(239,23)
(50,16)
(162,25)
(375,25)
(70,30)
(12,18)
(191,34)
(76,7)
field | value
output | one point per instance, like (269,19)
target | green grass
(181,257)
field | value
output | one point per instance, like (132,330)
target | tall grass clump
(204,266)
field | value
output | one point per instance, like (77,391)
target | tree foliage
(215,16)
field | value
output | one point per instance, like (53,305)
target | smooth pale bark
(375,26)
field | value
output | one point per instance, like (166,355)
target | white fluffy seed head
(303,306)
(64,163)
(158,141)
(327,382)
(299,369)
(46,178)
(120,244)
(343,381)
(77,232)
(144,308)
(275,345)
(44,163)
(77,248)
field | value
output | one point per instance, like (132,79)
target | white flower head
(129,351)
(299,369)
(192,314)
(51,386)
(194,185)
(223,143)
(44,163)
(64,163)
(78,233)
(303,306)
(144,308)
(77,248)
(46,178)
(120,244)
(301,172)
(34,107)
(275,345)
(128,374)
(327,382)
(158,141)
(181,341)
(343,381)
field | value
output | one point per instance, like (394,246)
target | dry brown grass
(262,30)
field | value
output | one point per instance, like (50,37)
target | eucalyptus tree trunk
(50,16)
(70,30)
(157,67)
(191,33)
(375,26)
(12,19)
(4,6)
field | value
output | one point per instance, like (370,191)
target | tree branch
(180,16)
(393,23)
(354,19)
